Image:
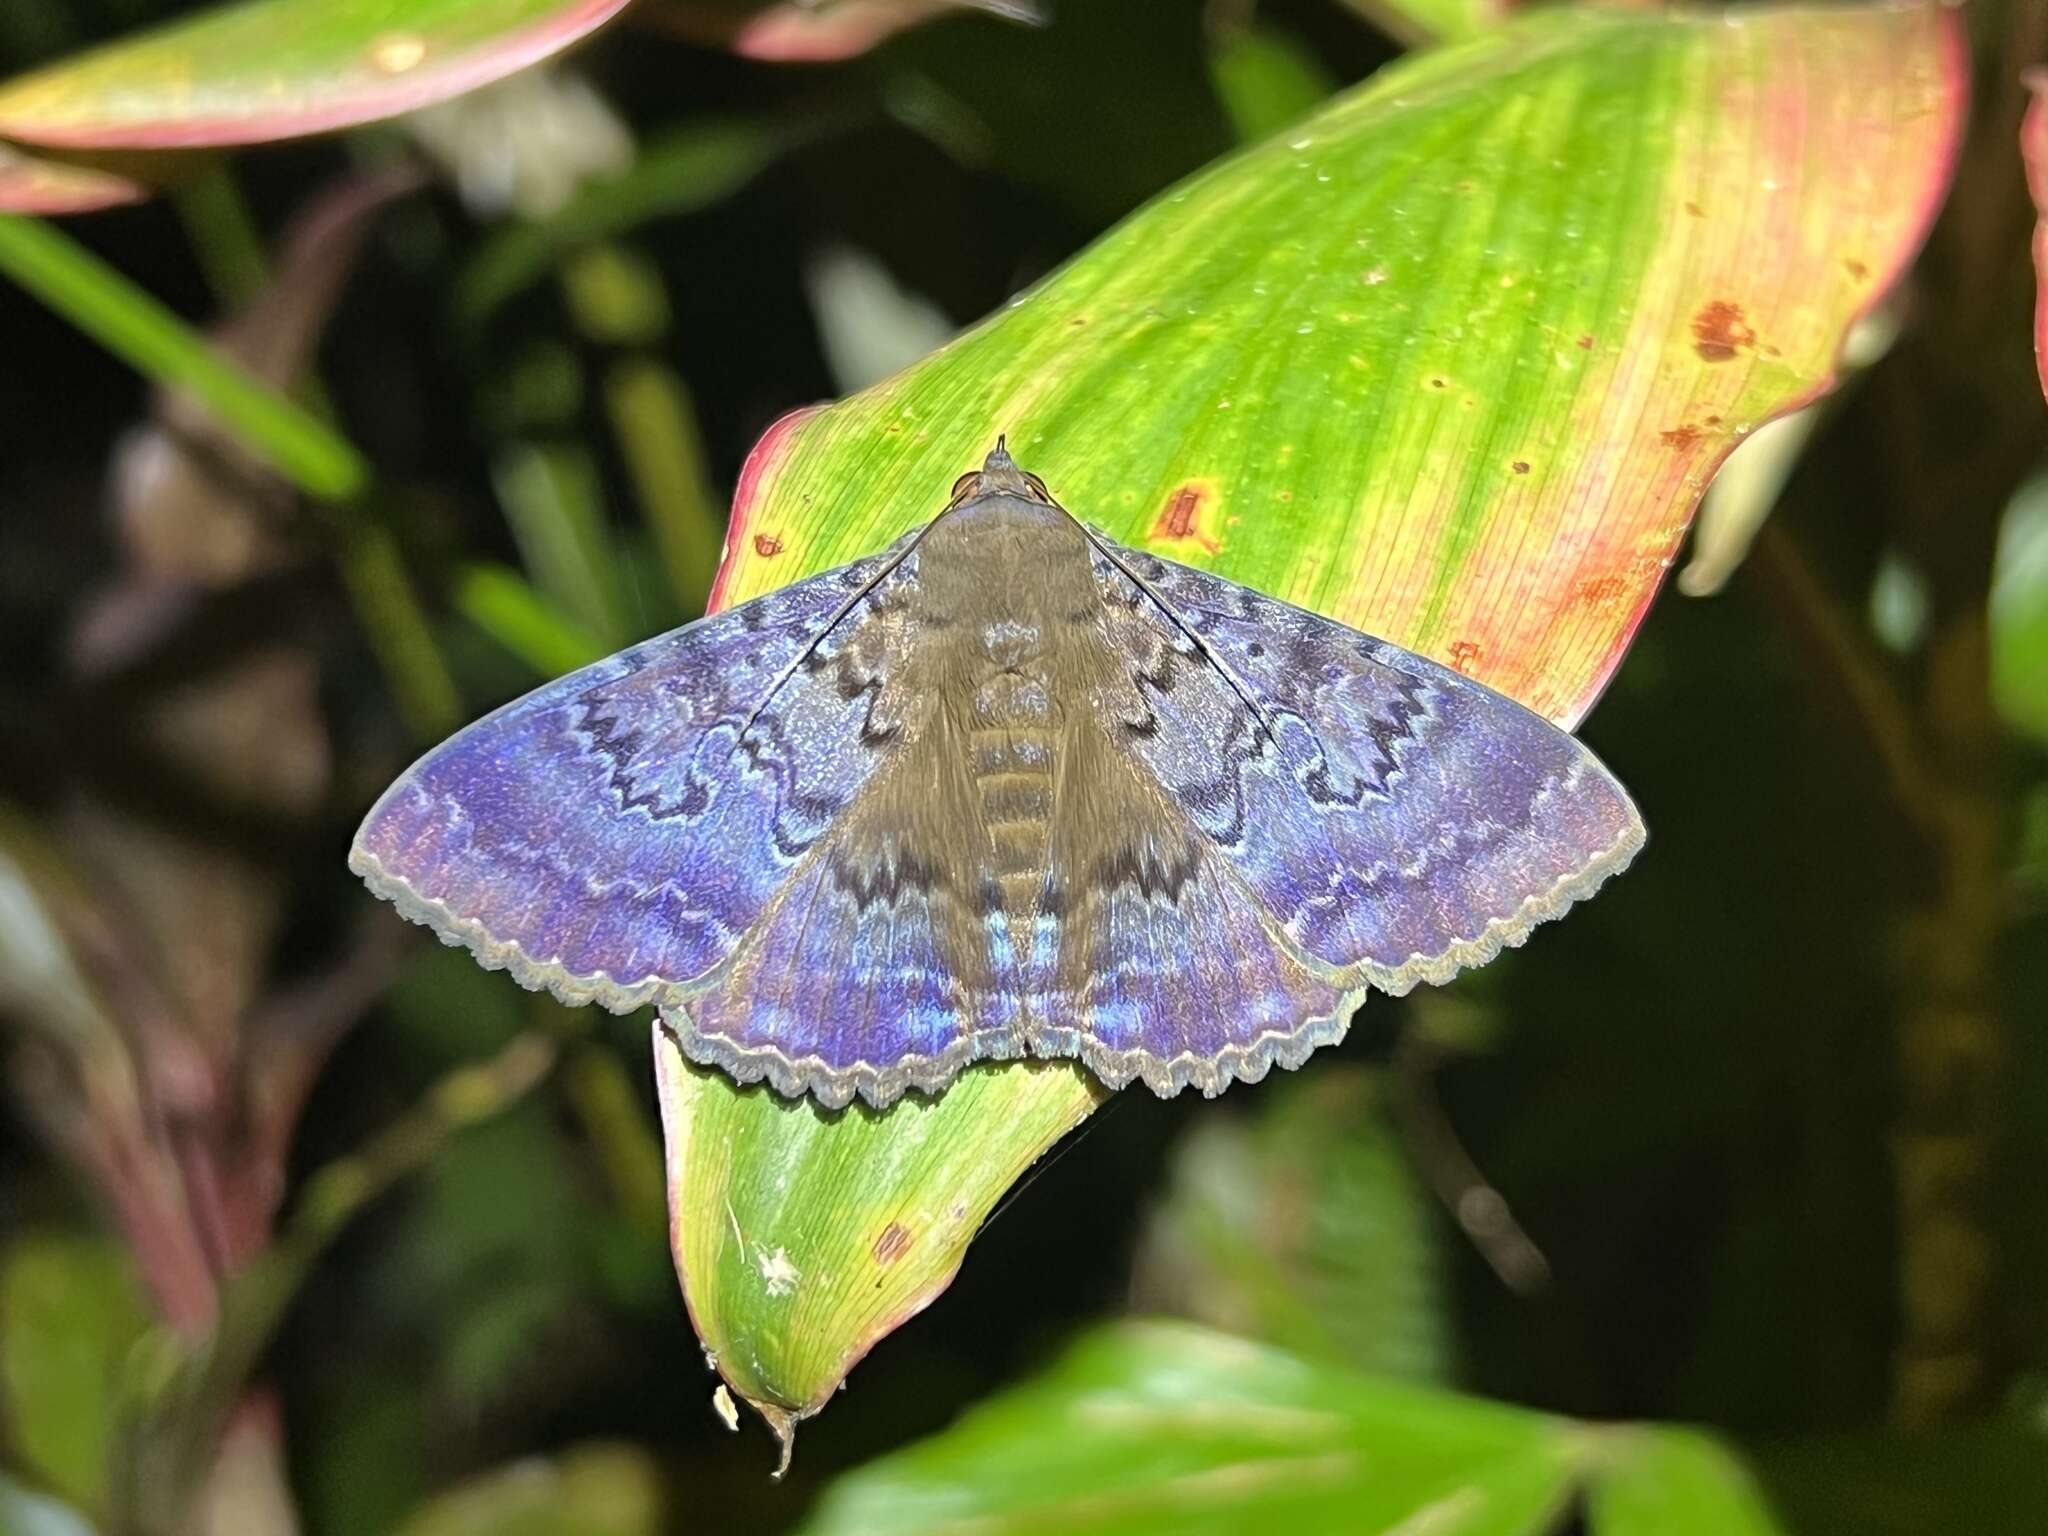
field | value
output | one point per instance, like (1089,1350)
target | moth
(1004,789)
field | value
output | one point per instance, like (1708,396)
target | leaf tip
(782,1423)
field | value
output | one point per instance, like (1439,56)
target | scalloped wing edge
(880,1086)
(495,954)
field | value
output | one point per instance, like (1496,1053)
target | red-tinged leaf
(34,184)
(2034,151)
(274,69)
(814,31)
(792,32)
(1451,361)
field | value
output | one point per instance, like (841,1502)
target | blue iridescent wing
(767,823)
(871,970)
(609,837)
(1155,959)
(1302,813)
(1396,820)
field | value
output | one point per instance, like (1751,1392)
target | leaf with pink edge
(795,33)
(274,69)
(818,31)
(1450,360)
(2034,151)
(37,184)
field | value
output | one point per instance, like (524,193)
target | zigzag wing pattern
(610,836)
(1396,820)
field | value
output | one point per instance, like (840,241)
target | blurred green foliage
(1155,1428)
(1725,1161)
(70,1313)
(1304,1225)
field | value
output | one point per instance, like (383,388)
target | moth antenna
(825,628)
(1201,644)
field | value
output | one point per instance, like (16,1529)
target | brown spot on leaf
(1586,341)
(1855,268)
(1696,210)
(1714,420)
(1436,383)
(1464,653)
(767,546)
(1680,438)
(893,1243)
(1719,331)
(1520,466)
(1181,518)
(1601,591)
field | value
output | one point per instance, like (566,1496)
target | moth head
(1000,476)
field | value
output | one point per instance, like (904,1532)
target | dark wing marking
(610,837)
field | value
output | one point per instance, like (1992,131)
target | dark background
(1692,1093)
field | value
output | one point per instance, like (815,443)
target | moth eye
(961,485)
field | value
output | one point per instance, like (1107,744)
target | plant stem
(137,328)
(223,235)
(656,426)
(397,628)
(617,299)
(185,1394)
(1950,1042)
(1952,1056)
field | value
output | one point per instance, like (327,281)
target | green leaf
(70,1312)
(1162,1427)
(1301,1226)
(1450,361)
(1676,1482)
(503,604)
(1510,298)
(185,1394)
(593,1490)
(1153,1427)
(135,327)
(1421,22)
(272,69)
(677,173)
(1266,79)
(2019,612)
(663,447)
(553,500)
(801,1237)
